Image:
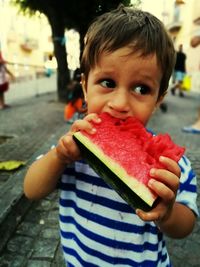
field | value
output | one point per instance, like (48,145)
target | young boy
(127,62)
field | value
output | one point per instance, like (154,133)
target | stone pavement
(29,233)
(29,125)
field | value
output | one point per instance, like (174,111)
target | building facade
(26,43)
(182,19)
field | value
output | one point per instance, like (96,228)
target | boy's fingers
(93,117)
(81,125)
(171,165)
(163,191)
(67,148)
(166,177)
(156,214)
(147,216)
(85,124)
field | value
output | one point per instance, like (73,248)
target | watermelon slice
(122,152)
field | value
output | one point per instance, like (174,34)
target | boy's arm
(42,177)
(173,218)
(180,223)
(9,72)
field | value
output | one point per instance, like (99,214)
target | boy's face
(124,84)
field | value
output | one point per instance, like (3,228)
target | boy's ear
(84,86)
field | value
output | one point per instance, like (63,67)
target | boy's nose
(119,101)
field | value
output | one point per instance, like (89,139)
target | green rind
(109,176)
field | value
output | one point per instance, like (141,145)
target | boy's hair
(139,30)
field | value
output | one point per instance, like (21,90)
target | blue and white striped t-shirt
(98,228)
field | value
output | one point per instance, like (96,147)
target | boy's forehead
(121,61)
(126,53)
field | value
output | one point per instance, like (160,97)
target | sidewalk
(29,230)
(32,124)
(30,88)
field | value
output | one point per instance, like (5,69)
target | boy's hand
(67,150)
(165,184)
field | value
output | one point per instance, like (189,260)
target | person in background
(50,65)
(75,107)
(163,107)
(179,71)
(4,82)
(126,65)
(195,127)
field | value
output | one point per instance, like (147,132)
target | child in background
(4,82)
(75,107)
(127,62)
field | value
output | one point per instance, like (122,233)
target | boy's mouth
(117,115)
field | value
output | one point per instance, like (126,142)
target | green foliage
(31,5)
(74,13)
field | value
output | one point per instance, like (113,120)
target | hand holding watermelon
(123,153)
(164,183)
(67,150)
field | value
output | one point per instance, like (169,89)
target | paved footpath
(29,233)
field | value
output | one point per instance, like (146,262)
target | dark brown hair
(139,30)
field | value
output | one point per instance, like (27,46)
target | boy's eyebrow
(148,80)
(101,71)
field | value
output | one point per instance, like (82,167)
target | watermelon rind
(135,193)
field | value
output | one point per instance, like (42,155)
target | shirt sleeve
(187,192)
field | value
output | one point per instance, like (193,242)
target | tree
(62,14)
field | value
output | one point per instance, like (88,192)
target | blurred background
(41,42)
(38,43)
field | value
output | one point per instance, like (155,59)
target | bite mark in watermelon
(122,152)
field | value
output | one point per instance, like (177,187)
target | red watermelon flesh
(129,151)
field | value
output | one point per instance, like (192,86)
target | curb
(14,207)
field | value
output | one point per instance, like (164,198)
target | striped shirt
(98,228)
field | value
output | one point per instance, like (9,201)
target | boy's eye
(108,83)
(141,89)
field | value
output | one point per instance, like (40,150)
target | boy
(126,64)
